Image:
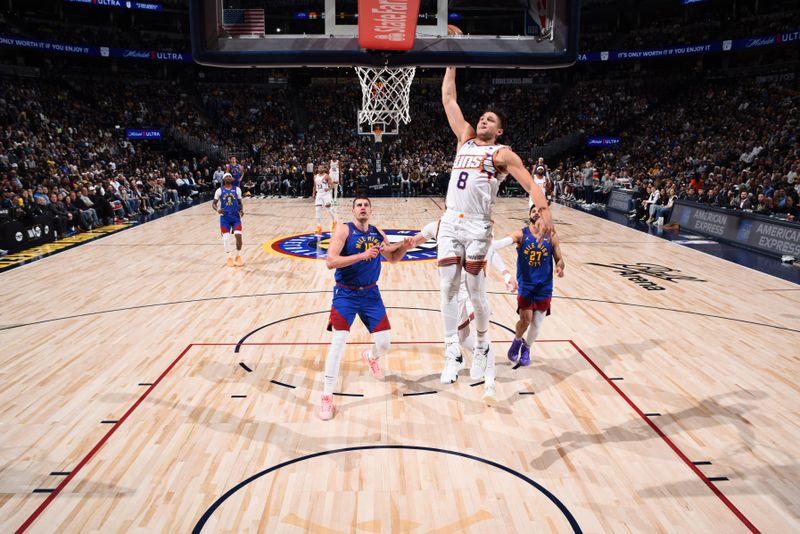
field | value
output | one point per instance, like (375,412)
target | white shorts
(325,199)
(335,178)
(464,240)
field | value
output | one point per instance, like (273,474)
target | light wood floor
(714,363)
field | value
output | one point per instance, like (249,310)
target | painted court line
(56,491)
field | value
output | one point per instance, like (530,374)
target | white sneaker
(453,363)
(478,368)
(489,395)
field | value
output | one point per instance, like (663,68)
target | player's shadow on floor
(708,413)
(637,350)
(756,479)
(24,481)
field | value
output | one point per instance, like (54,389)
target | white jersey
(475,180)
(335,170)
(321,184)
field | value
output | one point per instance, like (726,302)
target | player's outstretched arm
(241,204)
(393,253)
(455,117)
(497,260)
(509,160)
(558,256)
(428,232)
(335,260)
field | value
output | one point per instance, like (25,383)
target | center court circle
(387,478)
(315,247)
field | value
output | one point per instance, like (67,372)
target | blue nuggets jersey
(229,201)
(363,273)
(534,265)
(236,174)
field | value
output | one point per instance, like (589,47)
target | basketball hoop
(384,98)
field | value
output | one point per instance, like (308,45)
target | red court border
(41,508)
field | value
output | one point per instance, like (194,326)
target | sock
(318,210)
(535,326)
(467,337)
(381,346)
(482,338)
(227,243)
(334,360)
(489,375)
(450,277)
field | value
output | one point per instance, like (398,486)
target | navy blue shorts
(230,224)
(367,304)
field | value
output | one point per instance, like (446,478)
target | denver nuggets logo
(536,254)
(313,247)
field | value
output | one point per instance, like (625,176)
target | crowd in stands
(61,155)
(728,143)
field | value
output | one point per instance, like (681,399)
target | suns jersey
(321,184)
(334,170)
(475,179)
(365,272)
(534,264)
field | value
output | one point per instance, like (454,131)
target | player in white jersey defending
(334,173)
(465,230)
(323,184)
(540,178)
(466,332)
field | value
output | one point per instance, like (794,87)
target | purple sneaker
(525,355)
(513,350)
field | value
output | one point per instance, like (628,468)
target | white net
(384,96)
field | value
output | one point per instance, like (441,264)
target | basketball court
(150,388)
(170,393)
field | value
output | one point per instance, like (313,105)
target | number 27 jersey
(475,179)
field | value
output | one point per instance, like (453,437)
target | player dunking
(466,332)
(228,203)
(235,170)
(354,252)
(323,184)
(465,229)
(536,253)
(334,173)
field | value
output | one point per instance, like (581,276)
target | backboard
(316,33)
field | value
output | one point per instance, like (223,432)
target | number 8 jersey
(475,179)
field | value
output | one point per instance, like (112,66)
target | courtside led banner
(97,51)
(602,141)
(765,234)
(387,24)
(701,48)
(125,4)
(787,38)
(149,133)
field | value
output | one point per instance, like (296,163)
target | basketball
(454,30)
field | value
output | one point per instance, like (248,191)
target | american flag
(243,21)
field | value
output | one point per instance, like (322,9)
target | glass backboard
(312,33)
